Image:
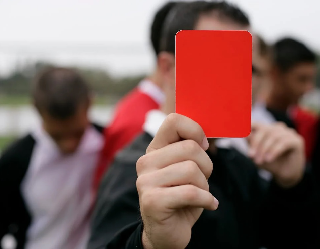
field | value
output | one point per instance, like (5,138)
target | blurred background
(108,42)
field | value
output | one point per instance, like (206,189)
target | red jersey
(306,125)
(127,123)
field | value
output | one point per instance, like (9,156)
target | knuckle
(278,134)
(196,132)
(277,130)
(173,118)
(294,133)
(190,146)
(210,168)
(191,168)
(141,182)
(142,163)
(292,130)
(281,124)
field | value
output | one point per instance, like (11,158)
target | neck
(276,102)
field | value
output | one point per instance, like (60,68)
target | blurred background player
(130,111)
(293,74)
(110,208)
(46,176)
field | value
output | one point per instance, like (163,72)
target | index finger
(175,128)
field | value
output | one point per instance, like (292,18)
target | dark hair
(185,17)
(60,92)
(288,52)
(157,24)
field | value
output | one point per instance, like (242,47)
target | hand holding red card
(213,80)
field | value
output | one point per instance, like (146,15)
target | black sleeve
(129,238)
(316,155)
(5,161)
(289,218)
(14,218)
(117,201)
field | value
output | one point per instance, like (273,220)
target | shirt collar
(261,114)
(152,90)
(44,140)
(91,142)
(154,120)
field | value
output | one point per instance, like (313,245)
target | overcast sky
(114,34)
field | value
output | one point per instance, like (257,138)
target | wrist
(289,181)
(145,241)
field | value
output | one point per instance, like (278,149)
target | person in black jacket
(46,176)
(156,200)
(174,184)
(293,74)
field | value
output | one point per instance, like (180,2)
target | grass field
(14,100)
(26,100)
(5,141)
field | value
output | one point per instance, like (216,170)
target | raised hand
(280,150)
(173,183)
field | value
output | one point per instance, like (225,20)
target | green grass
(5,141)
(105,100)
(26,100)
(15,100)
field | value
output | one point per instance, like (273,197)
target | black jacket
(281,116)
(252,213)
(14,215)
(316,154)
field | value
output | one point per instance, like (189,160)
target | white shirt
(152,90)
(153,122)
(58,192)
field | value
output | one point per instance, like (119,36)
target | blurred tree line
(18,83)
(104,86)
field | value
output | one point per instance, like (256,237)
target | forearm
(145,241)
(288,182)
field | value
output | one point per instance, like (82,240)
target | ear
(275,73)
(90,101)
(166,64)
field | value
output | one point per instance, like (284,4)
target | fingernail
(216,203)
(205,143)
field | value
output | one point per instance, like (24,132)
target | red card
(213,80)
